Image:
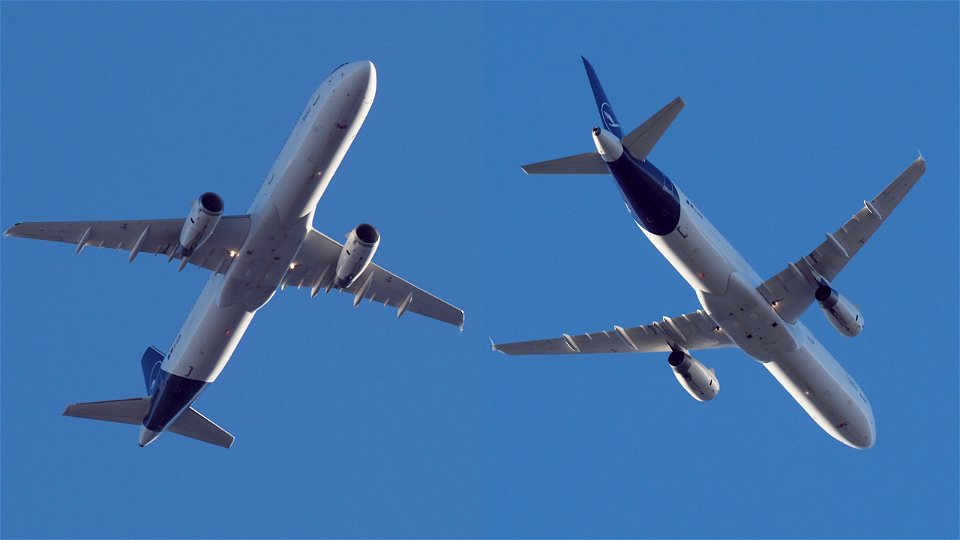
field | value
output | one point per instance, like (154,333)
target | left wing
(691,332)
(315,267)
(792,290)
(143,236)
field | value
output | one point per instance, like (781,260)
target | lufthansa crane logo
(154,376)
(609,119)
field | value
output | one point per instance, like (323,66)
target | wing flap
(791,291)
(692,331)
(142,236)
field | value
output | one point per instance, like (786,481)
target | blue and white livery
(250,256)
(739,308)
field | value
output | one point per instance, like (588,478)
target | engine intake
(200,223)
(698,380)
(842,314)
(361,244)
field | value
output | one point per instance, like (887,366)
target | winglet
(493,346)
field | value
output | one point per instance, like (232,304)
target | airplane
(251,256)
(760,317)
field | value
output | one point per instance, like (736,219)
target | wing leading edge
(792,290)
(692,331)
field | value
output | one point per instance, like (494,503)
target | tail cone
(147,436)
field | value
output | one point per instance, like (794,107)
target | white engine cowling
(698,380)
(358,250)
(842,314)
(201,221)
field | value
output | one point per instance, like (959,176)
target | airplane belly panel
(328,135)
(208,337)
(826,392)
(264,259)
(749,320)
(694,256)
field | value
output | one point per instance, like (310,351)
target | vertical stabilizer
(150,363)
(607,116)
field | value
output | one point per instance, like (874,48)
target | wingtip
(9,232)
(493,346)
(920,158)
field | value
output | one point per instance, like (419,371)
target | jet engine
(842,314)
(357,252)
(698,380)
(199,225)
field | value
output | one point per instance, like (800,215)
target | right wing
(691,332)
(315,267)
(147,236)
(792,290)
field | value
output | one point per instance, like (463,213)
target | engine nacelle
(698,380)
(842,314)
(357,252)
(199,225)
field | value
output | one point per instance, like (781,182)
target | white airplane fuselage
(280,217)
(726,286)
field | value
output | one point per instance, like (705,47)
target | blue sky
(351,423)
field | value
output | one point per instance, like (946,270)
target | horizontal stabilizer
(197,426)
(588,163)
(642,140)
(125,411)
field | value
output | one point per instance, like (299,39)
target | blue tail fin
(150,363)
(607,116)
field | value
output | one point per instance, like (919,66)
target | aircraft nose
(861,433)
(361,76)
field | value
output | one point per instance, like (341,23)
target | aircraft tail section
(641,140)
(136,410)
(607,115)
(124,411)
(197,426)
